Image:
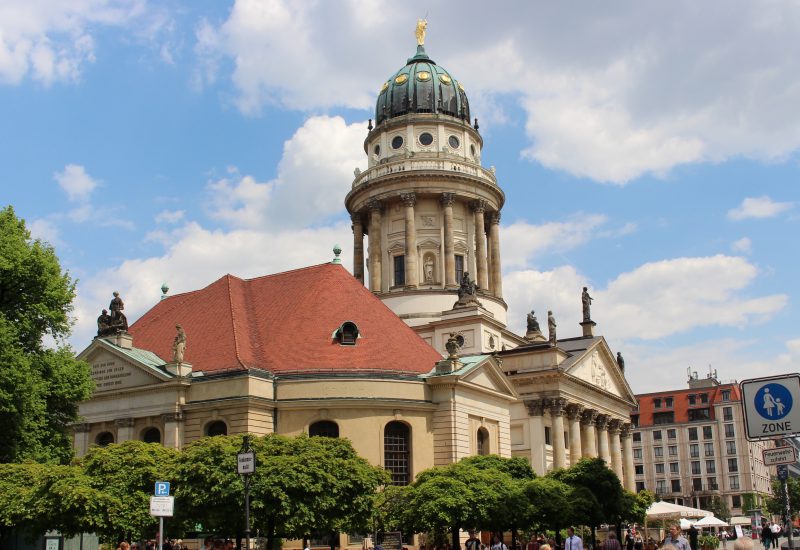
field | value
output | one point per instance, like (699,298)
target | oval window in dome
(397,142)
(385,86)
(425,138)
(453,141)
(460,87)
(445,79)
(377,150)
(401,79)
(423,76)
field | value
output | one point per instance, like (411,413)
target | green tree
(549,503)
(40,386)
(720,508)
(775,504)
(635,505)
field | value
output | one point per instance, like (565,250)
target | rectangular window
(673,450)
(661,486)
(730,447)
(671,433)
(460,268)
(639,469)
(729,431)
(736,501)
(708,433)
(658,451)
(673,468)
(709,449)
(733,465)
(692,434)
(695,467)
(657,435)
(703,398)
(657,403)
(692,399)
(547,436)
(659,467)
(694,450)
(639,486)
(635,420)
(676,485)
(668,402)
(727,414)
(664,418)
(711,467)
(637,437)
(699,415)
(697,483)
(734,483)
(726,395)
(399,270)
(637,453)
(712,483)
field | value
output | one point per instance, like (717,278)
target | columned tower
(429,208)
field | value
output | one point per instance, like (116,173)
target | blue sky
(646,151)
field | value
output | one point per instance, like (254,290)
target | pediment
(488,376)
(598,368)
(114,369)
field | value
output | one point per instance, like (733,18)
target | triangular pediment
(597,367)
(114,368)
(488,376)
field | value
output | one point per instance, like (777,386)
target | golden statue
(422,25)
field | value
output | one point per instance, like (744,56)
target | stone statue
(533,324)
(428,269)
(179,345)
(620,361)
(452,346)
(586,300)
(118,319)
(422,26)
(467,287)
(104,324)
(551,328)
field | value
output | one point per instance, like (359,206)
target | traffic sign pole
(245,466)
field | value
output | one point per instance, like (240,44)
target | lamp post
(245,467)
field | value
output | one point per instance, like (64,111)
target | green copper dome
(421,86)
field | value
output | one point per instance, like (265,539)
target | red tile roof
(284,323)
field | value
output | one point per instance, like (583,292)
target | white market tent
(740,520)
(668,510)
(710,521)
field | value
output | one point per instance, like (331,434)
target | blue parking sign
(162,489)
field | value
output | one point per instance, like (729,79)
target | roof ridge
(228,277)
(272,275)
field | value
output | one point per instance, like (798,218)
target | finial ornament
(336,251)
(422,26)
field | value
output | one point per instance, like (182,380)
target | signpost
(245,467)
(162,505)
(780,455)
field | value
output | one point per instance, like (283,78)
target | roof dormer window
(347,334)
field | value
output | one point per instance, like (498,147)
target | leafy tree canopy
(40,386)
(593,475)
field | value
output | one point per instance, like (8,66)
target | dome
(421,86)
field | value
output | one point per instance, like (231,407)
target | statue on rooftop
(551,328)
(533,323)
(586,301)
(118,319)
(620,361)
(179,345)
(104,324)
(422,26)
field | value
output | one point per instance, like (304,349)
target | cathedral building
(409,356)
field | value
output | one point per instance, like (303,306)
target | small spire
(164,290)
(336,251)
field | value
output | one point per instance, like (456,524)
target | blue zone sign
(769,406)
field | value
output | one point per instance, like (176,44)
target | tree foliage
(602,483)
(40,386)
(775,504)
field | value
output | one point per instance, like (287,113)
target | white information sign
(771,406)
(162,506)
(780,455)
(246,463)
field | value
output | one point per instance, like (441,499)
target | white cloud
(318,161)
(638,90)
(45,230)
(759,208)
(743,245)
(76,182)
(170,216)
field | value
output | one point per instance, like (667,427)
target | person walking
(693,537)
(611,543)
(573,541)
(766,536)
(675,538)
(472,543)
(498,544)
(776,534)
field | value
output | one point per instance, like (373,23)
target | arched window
(397,452)
(324,428)
(483,441)
(104,438)
(151,435)
(218,427)
(347,333)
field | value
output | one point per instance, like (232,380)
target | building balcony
(430,162)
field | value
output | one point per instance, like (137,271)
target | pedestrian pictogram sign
(769,409)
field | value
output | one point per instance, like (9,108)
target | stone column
(557,431)
(574,412)
(358,247)
(412,270)
(536,427)
(496,272)
(374,245)
(602,438)
(629,471)
(124,429)
(614,427)
(589,433)
(173,429)
(81,438)
(449,241)
(479,208)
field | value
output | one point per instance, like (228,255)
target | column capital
(589,417)
(408,199)
(574,411)
(448,199)
(494,218)
(374,204)
(626,430)
(535,407)
(614,426)
(355,217)
(172,417)
(81,427)
(602,421)
(124,422)
(478,206)
(556,406)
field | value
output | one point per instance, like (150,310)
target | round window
(397,142)
(453,141)
(425,138)
(377,150)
